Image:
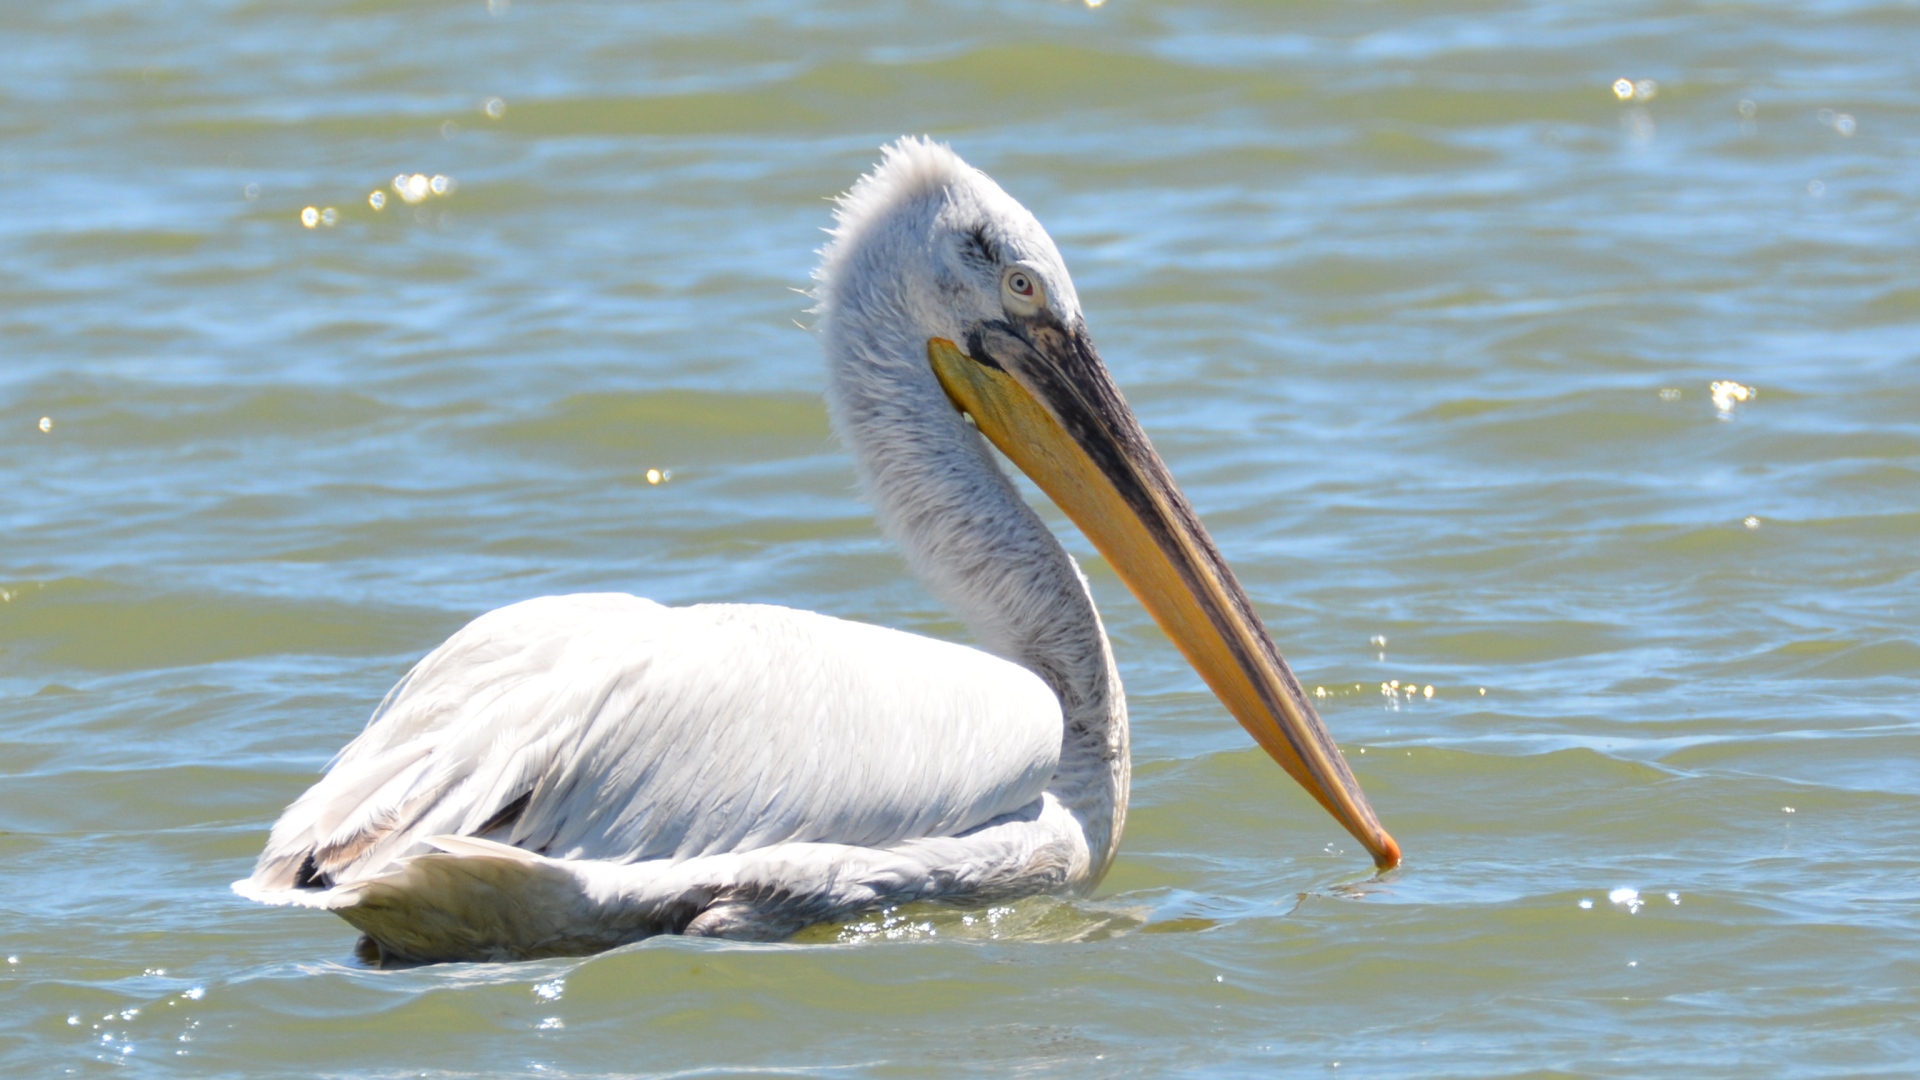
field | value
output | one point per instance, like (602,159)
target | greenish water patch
(670,426)
(100,626)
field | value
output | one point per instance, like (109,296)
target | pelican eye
(1022,289)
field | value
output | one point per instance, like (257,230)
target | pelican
(572,773)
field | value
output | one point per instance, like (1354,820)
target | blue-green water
(1424,314)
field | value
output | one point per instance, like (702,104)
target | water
(1423,315)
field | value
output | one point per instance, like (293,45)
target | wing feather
(627,731)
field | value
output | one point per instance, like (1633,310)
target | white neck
(970,537)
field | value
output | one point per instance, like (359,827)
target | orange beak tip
(1389,855)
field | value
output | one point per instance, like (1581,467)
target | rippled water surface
(1423,311)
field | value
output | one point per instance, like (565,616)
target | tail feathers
(474,899)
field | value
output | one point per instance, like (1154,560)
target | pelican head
(943,301)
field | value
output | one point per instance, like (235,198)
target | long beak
(1041,394)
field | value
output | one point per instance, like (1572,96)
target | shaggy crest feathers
(915,168)
(909,167)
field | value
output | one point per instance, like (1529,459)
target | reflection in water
(1040,919)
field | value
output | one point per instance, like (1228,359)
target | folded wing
(604,726)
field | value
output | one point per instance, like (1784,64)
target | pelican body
(573,773)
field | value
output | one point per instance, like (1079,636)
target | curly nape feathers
(909,168)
